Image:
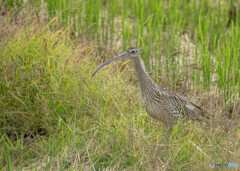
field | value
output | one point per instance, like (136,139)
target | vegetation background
(55,116)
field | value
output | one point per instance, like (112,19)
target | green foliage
(156,26)
(54,115)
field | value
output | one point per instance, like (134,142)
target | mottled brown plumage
(161,104)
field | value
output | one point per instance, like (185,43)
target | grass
(55,116)
(156,26)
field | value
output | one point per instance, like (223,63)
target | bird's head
(131,52)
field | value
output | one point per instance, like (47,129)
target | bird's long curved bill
(122,56)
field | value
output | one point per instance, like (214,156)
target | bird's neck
(143,76)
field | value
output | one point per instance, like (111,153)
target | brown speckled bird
(161,104)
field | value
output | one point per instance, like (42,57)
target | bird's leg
(169,130)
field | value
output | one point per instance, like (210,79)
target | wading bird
(161,104)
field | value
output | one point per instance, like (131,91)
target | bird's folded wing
(184,107)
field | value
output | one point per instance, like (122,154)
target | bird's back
(168,106)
